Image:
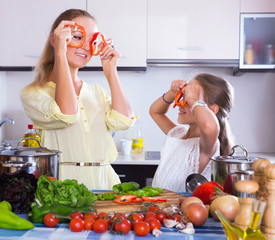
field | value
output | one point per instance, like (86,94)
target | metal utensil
(194,180)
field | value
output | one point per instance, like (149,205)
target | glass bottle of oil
(31,133)
(137,140)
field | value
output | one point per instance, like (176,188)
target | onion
(188,201)
(197,213)
(228,205)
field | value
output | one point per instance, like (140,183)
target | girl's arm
(160,107)
(65,95)
(109,58)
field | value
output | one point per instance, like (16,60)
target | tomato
(118,216)
(100,226)
(174,216)
(91,215)
(150,215)
(134,218)
(161,216)
(76,225)
(122,226)
(153,223)
(142,228)
(50,220)
(154,208)
(124,199)
(102,215)
(76,215)
(88,223)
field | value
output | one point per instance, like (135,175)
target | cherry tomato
(102,215)
(118,216)
(76,215)
(174,216)
(142,228)
(100,226)
(161,216)
(76,225)
(50,220)
(88,223)
(91,215)
(122,226)
(134,218)
(153,208)
(153,223)
(150,215)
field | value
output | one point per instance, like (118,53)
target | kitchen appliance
(227,170)
(35,160)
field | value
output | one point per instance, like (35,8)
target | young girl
(205,131)
(71,115)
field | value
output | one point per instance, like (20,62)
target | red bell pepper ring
(137,200)
(124,199)
(178,99)
(150,199)
(83,36)
(94,39)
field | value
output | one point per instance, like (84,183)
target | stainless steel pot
(35,160)
(227,170)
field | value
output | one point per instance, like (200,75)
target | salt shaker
(246,189)
(269,213)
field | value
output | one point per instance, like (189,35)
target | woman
(71,115)
(205,131)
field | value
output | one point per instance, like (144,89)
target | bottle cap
(30,126)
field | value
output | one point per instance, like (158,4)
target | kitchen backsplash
(252,118)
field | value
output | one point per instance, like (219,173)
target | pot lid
(245,159)
(28,152)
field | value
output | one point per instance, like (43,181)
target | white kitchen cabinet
(197,29)
(125,22)
(257,6)
(25,26)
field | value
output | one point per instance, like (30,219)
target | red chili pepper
(178,99)
(150,199)
(95,37)
(124,199)
(207,191)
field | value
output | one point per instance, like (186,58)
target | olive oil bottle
(137,140)
(31,133)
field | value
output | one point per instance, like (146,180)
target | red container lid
(30,126)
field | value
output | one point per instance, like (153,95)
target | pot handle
(10,164)
(245,153)
(31,139)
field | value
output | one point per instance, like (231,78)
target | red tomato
(142,228)
(100,226)
(153,223)
(122,226)
(118,216)
(102,215)
(50,220)
(154,208)
(141,216)
(76,225)
(91,215)
(150,215)
(88,223)
(76,215)
(174,216)
(161,216)
(134,218)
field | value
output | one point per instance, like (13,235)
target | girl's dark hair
(219,91)
(46,61)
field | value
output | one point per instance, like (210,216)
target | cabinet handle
(121,175)
(190,48)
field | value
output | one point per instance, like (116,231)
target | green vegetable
(106,196)
(60,197)
(125,187)
(10,220)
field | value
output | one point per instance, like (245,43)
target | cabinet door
(25,28)
(256,6)
(197,29)
(125,22)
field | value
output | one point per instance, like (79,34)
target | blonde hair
(46,62)
(219,91)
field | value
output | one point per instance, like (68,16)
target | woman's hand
(62,36)
(109,57)
(193,92)
(176,85)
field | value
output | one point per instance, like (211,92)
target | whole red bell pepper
(207,191)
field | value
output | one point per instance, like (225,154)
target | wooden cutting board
(111,207)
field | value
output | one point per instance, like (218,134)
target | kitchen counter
(210,230)
(153,158)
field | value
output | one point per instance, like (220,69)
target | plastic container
(31,133)
(137,140)
(249,54)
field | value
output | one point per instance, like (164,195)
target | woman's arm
(109,58)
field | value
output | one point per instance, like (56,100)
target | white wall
(252,118)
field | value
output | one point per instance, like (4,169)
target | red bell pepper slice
(150,199)
(95,37)
(83,36)
(124,199)
(178,99)
(137,200)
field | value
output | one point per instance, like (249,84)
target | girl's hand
(177,85)
(62,36)
(193,92)
(109,57)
